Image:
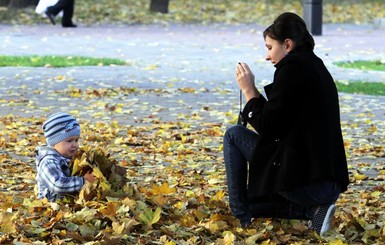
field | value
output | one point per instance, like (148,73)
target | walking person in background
(293,165)
(67,6)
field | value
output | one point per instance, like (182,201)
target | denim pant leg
(300,203)
(313,195)
(239,144)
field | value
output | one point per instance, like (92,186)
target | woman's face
(276,50)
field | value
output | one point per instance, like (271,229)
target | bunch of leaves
(110,177)
(90,12)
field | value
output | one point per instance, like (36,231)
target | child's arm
(55,180)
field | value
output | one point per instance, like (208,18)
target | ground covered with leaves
(172,188)
(162,140)
(93,12)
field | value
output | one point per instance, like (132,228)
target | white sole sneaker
(323,218)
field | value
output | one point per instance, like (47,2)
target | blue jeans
(239,146)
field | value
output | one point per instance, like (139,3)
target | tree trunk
(20,3)
(4,3)
(159,6)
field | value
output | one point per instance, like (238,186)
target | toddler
(54,179)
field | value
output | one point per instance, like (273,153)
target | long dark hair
(290,25)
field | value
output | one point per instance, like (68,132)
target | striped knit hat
(60,126)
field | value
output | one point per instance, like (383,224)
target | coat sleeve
(272,117)
(54,179)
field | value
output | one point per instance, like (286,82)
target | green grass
(359,87)
(57,61)
(376,65)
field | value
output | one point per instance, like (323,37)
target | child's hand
(89,177)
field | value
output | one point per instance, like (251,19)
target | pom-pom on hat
(60,126)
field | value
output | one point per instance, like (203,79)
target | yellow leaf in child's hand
(105,185)
(97,173)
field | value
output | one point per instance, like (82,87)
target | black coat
(301,140)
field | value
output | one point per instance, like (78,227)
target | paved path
(209,50)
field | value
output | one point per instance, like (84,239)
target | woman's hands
(245,79)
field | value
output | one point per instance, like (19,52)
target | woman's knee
(233,130)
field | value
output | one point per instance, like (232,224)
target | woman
(297,164)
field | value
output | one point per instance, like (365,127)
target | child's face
(68,147)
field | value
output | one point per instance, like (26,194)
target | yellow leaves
(129,203)
(151,67)
(84,215)
(149,217)
(118,228)
(181,205)
(337,242)
(219,196)
(163,189)
(358,176)
(216,131)
(368,149)
(376,194)
(228,239)
(214,181)
(60,78)
(119,141)
(187,90)
(215,227)
(110,210)
(7,222)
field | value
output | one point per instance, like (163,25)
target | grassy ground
(376,65)
(362,87)
(57,61)
(359,87)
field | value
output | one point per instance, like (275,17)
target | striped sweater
(54,175)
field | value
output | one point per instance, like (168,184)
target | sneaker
(322,218)
(245,223)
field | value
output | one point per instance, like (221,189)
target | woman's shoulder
(299,60)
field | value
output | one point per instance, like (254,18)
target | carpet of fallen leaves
(174,190)
(93,12)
